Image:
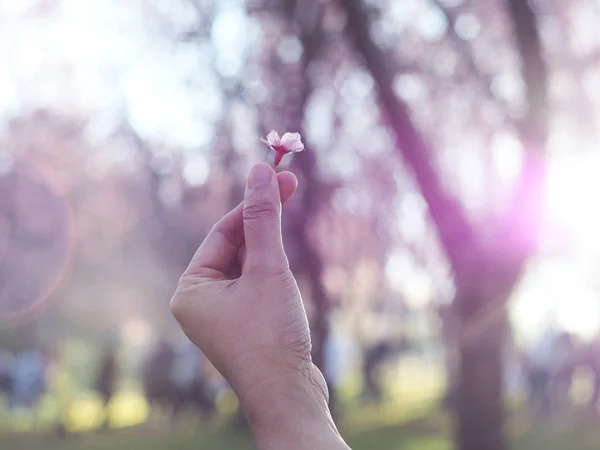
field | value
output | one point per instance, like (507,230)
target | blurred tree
(486,257)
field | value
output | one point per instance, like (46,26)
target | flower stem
(278,158)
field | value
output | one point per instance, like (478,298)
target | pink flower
(288,143)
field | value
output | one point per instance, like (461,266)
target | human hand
(240,304)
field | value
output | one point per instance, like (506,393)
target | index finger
(220,248)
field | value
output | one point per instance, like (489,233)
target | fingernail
(259,176)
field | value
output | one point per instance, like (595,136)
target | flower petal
(273,138)
(265,141)
(292,142)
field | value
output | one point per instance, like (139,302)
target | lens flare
(39,242)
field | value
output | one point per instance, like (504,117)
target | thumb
(262,220)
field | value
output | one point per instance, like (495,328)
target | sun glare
(573,183)
(555,293)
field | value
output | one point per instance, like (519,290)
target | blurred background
(444,236)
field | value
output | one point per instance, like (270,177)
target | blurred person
(6,361)
(59,387)
(566,361)
(240,304)
(373,360)
(156,375)
(539,364)
(106,381)
(337,348)
(186,365)
(591,358)
(28,380)
(190,386)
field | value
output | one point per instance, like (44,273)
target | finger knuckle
(272,266)
(187,288)
(189,281)
(178,307)
(259,209)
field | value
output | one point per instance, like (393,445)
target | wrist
(291,409)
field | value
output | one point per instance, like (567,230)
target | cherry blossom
(288,143)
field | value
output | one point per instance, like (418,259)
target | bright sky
(104,55)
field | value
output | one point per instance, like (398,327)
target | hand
(239,302)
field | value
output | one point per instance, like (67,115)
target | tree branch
(535,74)
(448,215)
(525,215)
(484,80)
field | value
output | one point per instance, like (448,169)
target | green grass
(406,421)
(426,433)
(224,438)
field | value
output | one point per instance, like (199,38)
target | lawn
(426,433)
(407,421)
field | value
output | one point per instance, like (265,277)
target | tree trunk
(480,405)
(483,318)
